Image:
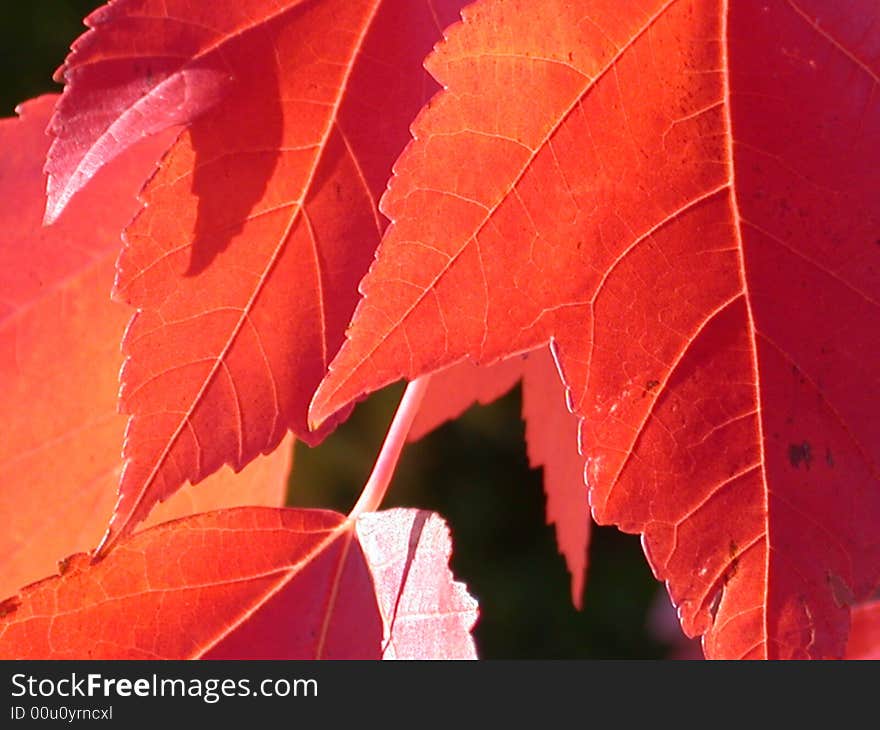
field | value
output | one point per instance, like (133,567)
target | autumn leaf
(682,197)
(551,437)
(262,219)
(60,455)
(254,583)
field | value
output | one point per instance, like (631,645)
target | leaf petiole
(377,484)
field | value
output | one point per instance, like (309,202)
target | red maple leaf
(262,218)
(682,197)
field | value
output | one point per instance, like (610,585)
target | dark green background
(473,472)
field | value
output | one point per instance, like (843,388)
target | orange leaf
(60,455)
(253,583)
(683,196)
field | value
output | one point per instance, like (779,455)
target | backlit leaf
(683,196)
(60,454)
(551,437)
(245,260)
(253,583)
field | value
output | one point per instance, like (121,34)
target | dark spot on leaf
(649,386)
(840,591)
(64,565)
(10,605)
(829,457)
(799,454)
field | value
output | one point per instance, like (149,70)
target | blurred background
(473,471)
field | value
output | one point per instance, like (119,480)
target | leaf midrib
(246,310)
(578,99)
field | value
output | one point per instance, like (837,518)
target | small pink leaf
(426,614)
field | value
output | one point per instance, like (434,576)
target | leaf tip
(319,409)
(120,525)
(53,210)
(58,193)
(107,543)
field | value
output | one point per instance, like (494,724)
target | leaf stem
(376,486)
